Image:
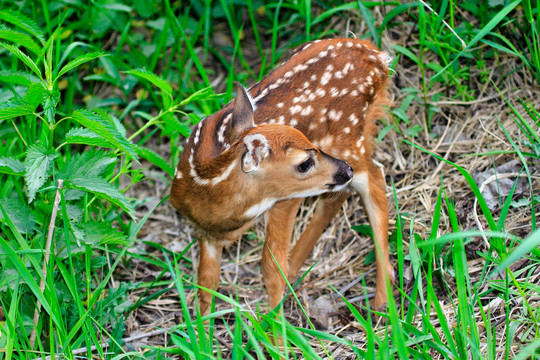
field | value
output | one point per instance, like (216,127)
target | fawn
(303,130)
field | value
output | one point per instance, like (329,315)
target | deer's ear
(258,149)
(242,116)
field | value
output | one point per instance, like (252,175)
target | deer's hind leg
(371,187)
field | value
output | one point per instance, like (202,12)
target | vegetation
(97,98)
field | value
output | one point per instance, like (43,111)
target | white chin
(339,187)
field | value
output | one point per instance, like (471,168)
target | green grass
(88,90)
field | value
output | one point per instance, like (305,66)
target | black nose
(344,174)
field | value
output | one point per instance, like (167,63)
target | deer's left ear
(242,115)
(258,149)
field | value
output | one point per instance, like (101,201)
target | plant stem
(47,254)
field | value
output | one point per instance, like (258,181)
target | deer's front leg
(279,227)
(209,272)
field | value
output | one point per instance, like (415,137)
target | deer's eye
(306,165)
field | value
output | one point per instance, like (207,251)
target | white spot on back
(325,78)
(353,119)
(308,110)
(261,95)
(369,80)
(295,109)
(326,141)
(335,115)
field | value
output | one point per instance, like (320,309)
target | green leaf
(11,166)
(87,164)
(173,126)
(155,159)
(79,61)
(23,22)
(86,137)
(24,58)
(113,120)
(21,214)
(98,233)
(414,130)
(17,77)
(20,39)
(103,189)
(14,108)
(530,244)
(49,103)
(333,10)
(154,79)
(117,7)
(34,94)
(206,93)
(408,53)
(38,165)
(363,230)
(105,129)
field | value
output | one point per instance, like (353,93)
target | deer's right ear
(258,149)
(242,116)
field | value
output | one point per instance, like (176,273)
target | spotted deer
(303,130)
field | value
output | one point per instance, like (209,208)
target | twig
(105,344)
(47,255)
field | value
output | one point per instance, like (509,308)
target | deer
(304,130)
